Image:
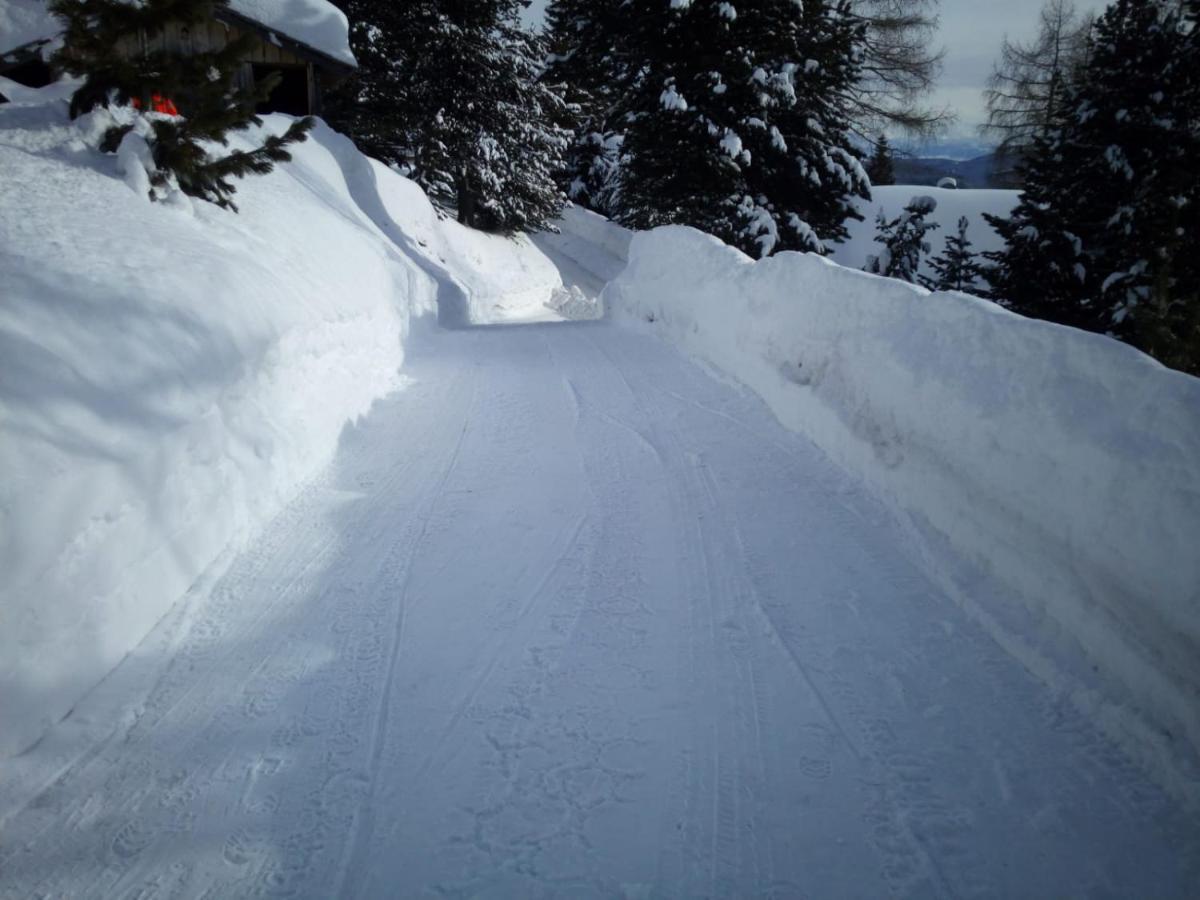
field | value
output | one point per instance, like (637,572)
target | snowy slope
(951,204)
(1060,463)
(25,21)
(162,394)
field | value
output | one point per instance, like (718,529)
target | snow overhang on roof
(24,23)
(315,25)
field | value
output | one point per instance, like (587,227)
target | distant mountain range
(960,147)
(985,171)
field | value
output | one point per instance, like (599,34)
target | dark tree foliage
(904,240)
(591,61)
(203,87)
(957,267)
(1103,237)
(449,91)
(738,124)
(881,165)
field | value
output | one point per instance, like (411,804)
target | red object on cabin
(158,104)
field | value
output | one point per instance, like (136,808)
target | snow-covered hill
(170,375)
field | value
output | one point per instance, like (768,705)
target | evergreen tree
(187,102)
(591,61)
(1103,236)
(450,92)
(880,167)
(365,105)
(957,268)
(1029,84)
(738,123)
(903,239)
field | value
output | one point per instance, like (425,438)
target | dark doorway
(290,95)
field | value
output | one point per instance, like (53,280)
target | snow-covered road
(570,617)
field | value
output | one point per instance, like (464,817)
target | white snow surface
(25,21)
(1060,465)
(164,393)
(554,611)
(567,616)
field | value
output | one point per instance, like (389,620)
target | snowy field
(781,580)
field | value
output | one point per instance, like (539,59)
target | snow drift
(1062,463)
(169,376)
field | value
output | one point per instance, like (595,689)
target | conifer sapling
(903,240)
(956,268)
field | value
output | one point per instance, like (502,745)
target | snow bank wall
(597,245)
(483,278)
(1065,464)
(169,377)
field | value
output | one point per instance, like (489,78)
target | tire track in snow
(598,687)
(363,825)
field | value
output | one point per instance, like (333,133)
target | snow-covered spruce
(450,93)
(739,125)
(1104,235)
(590,60)
(903,239)
(957,267)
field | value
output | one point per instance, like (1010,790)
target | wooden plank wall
(212,35)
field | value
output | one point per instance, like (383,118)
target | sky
(971,31)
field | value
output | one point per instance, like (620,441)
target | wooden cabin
(309,59)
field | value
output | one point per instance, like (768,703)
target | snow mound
(170,375)
(1061,466)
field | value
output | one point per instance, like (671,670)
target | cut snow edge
(1059,464)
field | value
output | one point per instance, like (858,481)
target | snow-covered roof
(25,22)
(316,24)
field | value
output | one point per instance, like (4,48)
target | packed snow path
(570,617)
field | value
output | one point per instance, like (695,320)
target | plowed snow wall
(1065,465)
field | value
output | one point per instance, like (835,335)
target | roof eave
(339,67)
